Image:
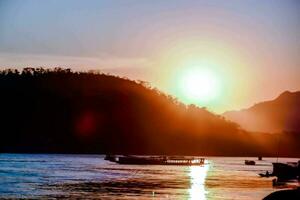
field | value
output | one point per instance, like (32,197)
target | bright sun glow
(200,85)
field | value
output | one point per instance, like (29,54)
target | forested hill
(61,111)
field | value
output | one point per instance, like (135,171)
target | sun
(200,85)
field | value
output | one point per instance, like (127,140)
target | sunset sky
(220,54)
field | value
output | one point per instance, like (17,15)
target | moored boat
(284,171)
(159,160)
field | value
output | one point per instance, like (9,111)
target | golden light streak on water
(198,175)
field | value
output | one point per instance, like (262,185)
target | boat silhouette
(156,160)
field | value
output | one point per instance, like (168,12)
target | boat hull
(158,161)
(285,171)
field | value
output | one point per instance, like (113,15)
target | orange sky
(251,46)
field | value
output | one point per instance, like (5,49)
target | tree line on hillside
(61,111)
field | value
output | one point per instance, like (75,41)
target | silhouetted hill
(61,111)
(279,115)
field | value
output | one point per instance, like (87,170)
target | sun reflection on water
(198,175)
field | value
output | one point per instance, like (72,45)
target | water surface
(36,176)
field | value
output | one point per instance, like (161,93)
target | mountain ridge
(277,115)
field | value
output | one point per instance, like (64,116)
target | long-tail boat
(159,160)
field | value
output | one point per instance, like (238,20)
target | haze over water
(90,176)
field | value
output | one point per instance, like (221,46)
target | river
(46,176)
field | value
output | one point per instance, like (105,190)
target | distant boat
(159,160)
(267,174)
(249,162)
(259,158)
(111,158)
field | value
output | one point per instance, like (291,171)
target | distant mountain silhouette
(60,111)
(279,115)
